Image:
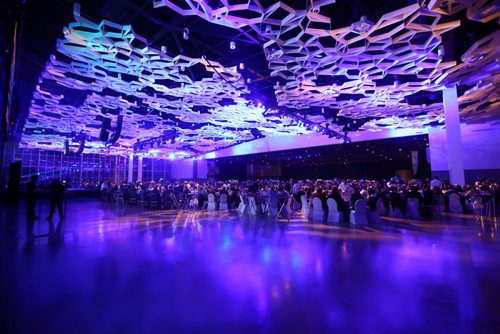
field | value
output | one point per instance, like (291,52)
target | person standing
(56,189)
(31,192)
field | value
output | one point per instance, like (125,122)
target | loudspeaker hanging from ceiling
(118,131)
(104,134)
(80,147)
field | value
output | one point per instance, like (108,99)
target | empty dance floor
(107,270)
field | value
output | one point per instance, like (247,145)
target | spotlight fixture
(232,45)
(185,34)
(268,29)
(169,135)
(242,66)
(163,49)
(363,25)
(66,31)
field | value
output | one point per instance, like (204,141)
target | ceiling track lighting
(161,140)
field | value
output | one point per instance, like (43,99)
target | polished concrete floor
(109,270)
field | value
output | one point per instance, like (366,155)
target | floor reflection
(131,271)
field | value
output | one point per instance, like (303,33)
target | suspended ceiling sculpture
(118,73)
(480,67)
(301,47)
(477,10)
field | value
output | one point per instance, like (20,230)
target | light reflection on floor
(128,271)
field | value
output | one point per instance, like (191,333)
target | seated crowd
(390,197)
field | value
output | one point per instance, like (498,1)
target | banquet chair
(491,209)
(284,205)
(305,208)
(318,211)
(167,202)
(454,203)
(359,214)
(212,205)
(119,198)
(252,206)
(373,216)
(413,208)
(272,205)
(295,204)
(140,200)
(223,202)
(193,203)
(154,201)
(381,209)
(242,206)
(437,205)
(288,206)
(395,212)
(334,216)
(479,207)
(132,199)
(175,203)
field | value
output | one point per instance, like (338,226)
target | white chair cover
(412,208)
(242,206)
(252,207)
(223,202)
(359,214)
(212,205)
(455,205)
(193,203)
(305,208)
(318,212)
(334,216)
(272,208)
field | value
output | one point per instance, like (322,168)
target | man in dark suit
(56,198)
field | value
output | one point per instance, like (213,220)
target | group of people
(55,189)
(394,193)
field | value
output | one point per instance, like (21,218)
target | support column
(130,175)
(139,168)
(453,136)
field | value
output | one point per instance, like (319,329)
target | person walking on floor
(56,198)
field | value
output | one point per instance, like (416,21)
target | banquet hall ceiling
(221,72)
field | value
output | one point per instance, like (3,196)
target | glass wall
(85,170)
